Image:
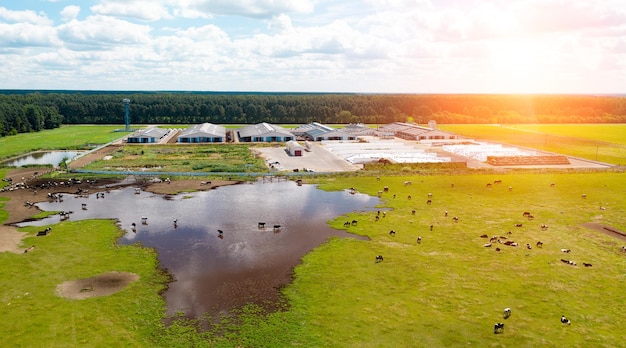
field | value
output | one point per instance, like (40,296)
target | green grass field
(64,138)
(447,291)
(601,142)
(183,158)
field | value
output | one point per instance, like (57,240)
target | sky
(366,46)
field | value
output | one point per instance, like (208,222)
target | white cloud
(26,35)
(144,10)
(246,8)
(70,12)
(26,16)
(97,32)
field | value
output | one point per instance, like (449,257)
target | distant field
(601,142)
(64,138)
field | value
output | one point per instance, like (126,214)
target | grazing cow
(407,183)
(509,242)
(528,246)
(494,239)
(569,262)
(507,313)
(518,225)
(497,249)
(544,227)
(455,218)
(484,236)
(84,206)
(386,189)
(602,208)
(419,240)
(452,185)
(354,222)
(220,234)
(429,202)
(430,195)
(379,258)
(413,212)
(565,321)
(531,217)
(489,185)
(261,224)
(510,188)
(498,328)
(445,213)
(431,227)
(276,228)
(346,224)
(29,249)
(377,218)
(526,213)
(394,195)
(392,233)
(409,197)
(380,193)
(144,220)
(487,245)
(587,264)
(539,244)
(624,248)
(497,181)
(584,195)
(384,214)
(565,250)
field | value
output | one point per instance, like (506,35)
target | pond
(41,158)
(214,271)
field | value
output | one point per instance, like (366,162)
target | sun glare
(515,68)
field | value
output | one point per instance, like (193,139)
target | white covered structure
(203,133)
(294,148)
(264,132)
(148,136)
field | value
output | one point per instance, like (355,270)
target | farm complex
(318,147)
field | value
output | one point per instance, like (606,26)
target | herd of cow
(494,240)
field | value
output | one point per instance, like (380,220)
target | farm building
(203,133)
(294,148)
(410,131)
(148,136)
(264,132)
(319,132)
(358,129)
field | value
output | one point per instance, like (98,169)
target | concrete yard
(319,159)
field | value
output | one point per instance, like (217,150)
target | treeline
(25,111)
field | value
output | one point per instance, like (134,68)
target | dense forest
(31,111)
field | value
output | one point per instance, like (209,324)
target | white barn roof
(263,130)
(207,130)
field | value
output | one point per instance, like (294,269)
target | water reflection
(249,262)
(41,158)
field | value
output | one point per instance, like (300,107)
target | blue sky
(369,46)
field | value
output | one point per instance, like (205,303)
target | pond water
(249,263)
(41,158)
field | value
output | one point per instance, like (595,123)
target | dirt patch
(11,239)
(189,185)
(606,229)
(101,285)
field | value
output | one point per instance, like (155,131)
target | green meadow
(183,158)
(65,138)
(447,291)
(600,142)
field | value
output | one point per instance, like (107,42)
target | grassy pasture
(183,158)
(450,290)
(447,291)
(601,142)
(64,138)
(33,316)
